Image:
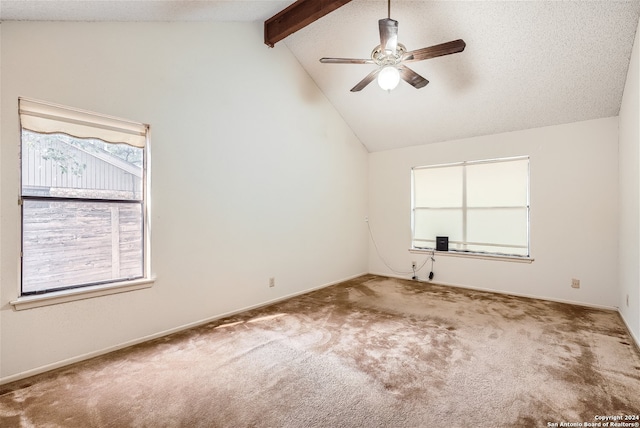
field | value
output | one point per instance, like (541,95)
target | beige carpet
(371,352)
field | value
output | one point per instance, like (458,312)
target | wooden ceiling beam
(297,16)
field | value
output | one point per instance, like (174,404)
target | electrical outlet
(272,282)
(575,283)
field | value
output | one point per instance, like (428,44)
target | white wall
(254,175)
(1,203)
(574,183)
(630,196)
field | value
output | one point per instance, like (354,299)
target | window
(83,197)
(481,206)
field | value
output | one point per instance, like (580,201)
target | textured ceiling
(527,63)
(140,10)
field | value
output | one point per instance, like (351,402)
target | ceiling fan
(390,57)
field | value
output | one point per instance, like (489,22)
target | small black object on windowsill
(442,243)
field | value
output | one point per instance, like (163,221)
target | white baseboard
(588,305)
(76,359)
(490,290)
(93,354)
(633,336)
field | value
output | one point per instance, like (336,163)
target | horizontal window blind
(47,118)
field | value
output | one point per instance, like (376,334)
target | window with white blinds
(83,198)
(481,206)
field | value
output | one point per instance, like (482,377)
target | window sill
(64,296)
(514,259)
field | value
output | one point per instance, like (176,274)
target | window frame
(464,210)
(56,295)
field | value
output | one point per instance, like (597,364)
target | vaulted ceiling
(527,64)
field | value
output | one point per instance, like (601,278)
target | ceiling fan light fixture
(389,77)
